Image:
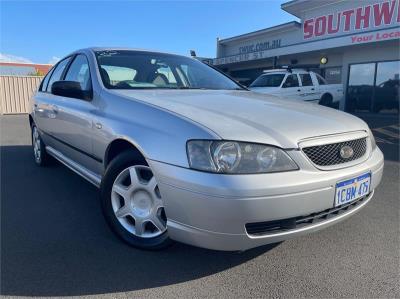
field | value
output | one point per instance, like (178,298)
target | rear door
(291,87)
(309,91)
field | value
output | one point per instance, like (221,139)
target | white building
(359,41)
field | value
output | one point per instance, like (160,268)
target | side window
(321,81)
(43,85)
(79,72)
(291,81)
(57,73)
(306,80)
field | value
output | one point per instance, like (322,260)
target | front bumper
(211,210)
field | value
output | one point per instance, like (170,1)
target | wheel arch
(326,99)
(118,146)
(327,93)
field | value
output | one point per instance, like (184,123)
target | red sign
(378,36)
(359,18)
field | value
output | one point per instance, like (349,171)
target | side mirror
(70,89)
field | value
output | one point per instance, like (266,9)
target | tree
(37,72)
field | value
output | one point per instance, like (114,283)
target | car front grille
(277,226)
(329,154)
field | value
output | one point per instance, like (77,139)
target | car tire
(326,100)
(132,204)
(40,156)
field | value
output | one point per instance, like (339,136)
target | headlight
(373,142)
(237,157)
(226,156)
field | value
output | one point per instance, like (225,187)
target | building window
(387,86)
(333,75)
(373,87)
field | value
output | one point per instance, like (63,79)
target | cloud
(12,58)
(54,60)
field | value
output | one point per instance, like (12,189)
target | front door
(73,124)
(44,109)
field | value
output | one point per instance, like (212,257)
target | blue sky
(41,32)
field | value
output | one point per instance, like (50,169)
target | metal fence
(15,92)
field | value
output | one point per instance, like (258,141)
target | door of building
(374,87)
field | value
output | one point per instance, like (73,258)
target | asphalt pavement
(55,242)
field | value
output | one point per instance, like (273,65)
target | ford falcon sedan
(179,151)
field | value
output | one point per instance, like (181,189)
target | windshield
(146,70)
(270,80)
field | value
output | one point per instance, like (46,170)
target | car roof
(285,71)
(274,73)
(99,49)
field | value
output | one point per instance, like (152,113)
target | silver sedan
(181,152)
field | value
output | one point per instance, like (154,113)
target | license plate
(350,190)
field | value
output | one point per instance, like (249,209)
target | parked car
(298,85)
(386,96)
(181,152)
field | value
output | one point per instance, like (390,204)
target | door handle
(299,90)
(312,88)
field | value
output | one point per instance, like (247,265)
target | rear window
(270,80)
